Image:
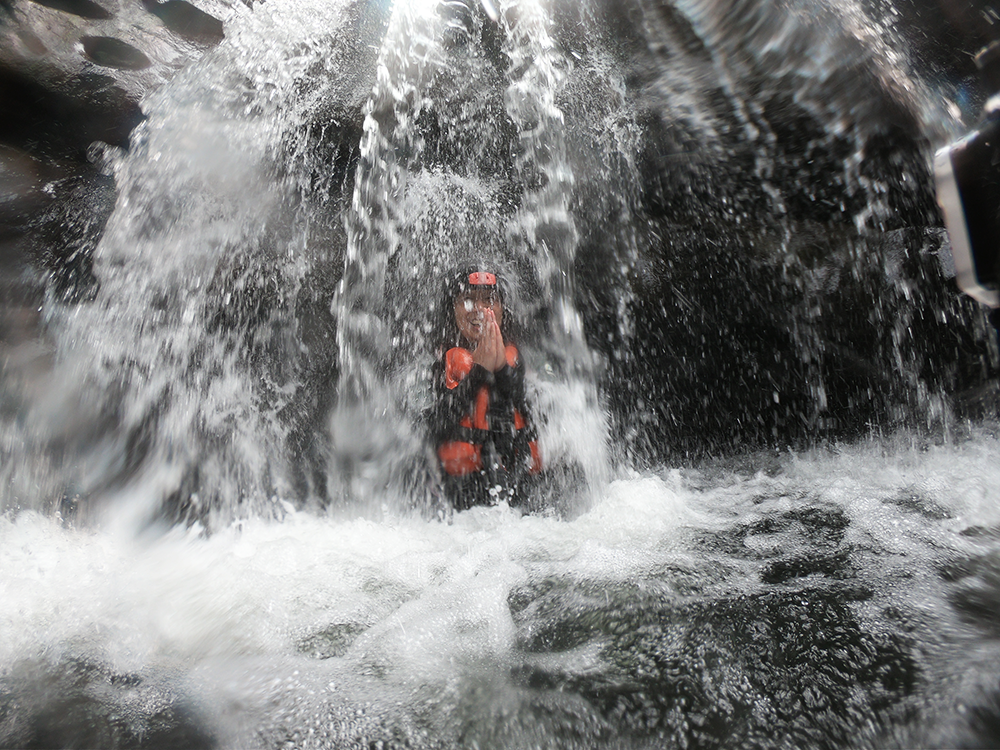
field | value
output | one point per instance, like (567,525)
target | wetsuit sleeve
(509,381)
(509,392)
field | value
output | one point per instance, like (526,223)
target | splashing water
(422,209)
(711,220)
(170,389)
(841,597)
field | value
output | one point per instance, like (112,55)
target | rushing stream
(840,598)
(771,515)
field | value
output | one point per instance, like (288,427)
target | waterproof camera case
(968,189)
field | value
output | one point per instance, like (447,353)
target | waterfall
(697,224)
(774,509)
(493,185)
(175,393)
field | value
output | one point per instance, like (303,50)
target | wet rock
(980,726)
(51,216)
(84,8)
(81,704)
(795,543)
(982,532)
(916,502)
(823,524)
(59,122)
(835,565)
(54,202)
(113,53)
(73,72)
(66,234)
(23,180)
(775,306)
(333,640)
(534,718)
(775,669)
(981,400)
(47,55)
(976,595)
(187,20)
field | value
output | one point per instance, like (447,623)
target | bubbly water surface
(840,597)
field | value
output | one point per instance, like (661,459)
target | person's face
(470,311)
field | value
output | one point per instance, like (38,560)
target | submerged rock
(79,704)
(768,669)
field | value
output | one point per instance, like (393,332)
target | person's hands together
(490,353)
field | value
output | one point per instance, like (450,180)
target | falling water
(418,213)
(221,524)
(169,391)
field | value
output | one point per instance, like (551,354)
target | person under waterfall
(480,426)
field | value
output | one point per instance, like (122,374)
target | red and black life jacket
(487,420)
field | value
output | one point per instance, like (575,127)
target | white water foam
(260,586)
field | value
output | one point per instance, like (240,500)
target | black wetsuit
(480,430)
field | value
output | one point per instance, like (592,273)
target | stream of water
(840,598)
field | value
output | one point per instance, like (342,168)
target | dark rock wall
(72,74)
(791,278)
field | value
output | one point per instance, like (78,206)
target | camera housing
(967,173)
